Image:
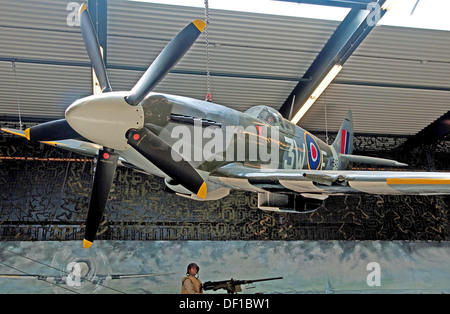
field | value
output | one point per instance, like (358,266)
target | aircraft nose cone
(104,119)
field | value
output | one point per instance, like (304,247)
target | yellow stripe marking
(417,181)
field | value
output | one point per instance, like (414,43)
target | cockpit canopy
(268,115)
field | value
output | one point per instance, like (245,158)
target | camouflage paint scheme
(324,167)
(160,117)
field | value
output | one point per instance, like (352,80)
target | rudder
(344,141)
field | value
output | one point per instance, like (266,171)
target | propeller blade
(93,48)
(51,131)
(103,179)
(165,61)
(162,156)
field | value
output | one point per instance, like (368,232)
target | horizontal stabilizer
(371,160)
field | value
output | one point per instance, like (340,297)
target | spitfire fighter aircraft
(204,150)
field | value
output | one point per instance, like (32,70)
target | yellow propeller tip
(199,24)
(82,8)
(87,244)
(202,191)
(27,134)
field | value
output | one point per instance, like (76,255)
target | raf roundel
(313,152)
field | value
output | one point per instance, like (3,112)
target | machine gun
(232,286)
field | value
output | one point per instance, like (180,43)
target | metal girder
(347,37)
(353,4)
(430,135)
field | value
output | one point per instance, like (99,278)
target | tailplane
(343,145)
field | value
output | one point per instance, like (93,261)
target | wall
(44,193)
(306,266)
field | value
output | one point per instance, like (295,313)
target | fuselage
(210,135)
(205,134)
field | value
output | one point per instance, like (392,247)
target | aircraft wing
(326,182)
(77,146)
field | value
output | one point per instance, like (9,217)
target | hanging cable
(326,119)
(208,82)
(17,91)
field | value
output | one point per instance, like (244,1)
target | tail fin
(344,141)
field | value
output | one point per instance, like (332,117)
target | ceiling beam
(430,135)
(127,67)
(353,4)
(347,37)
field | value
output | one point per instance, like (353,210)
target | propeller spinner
(115,120)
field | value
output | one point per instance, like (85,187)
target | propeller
(93,48)
(60,129)
(165,61)
(143,140)
(168,160)
(51,131)
(115,120)
(103,180)
(107,158)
